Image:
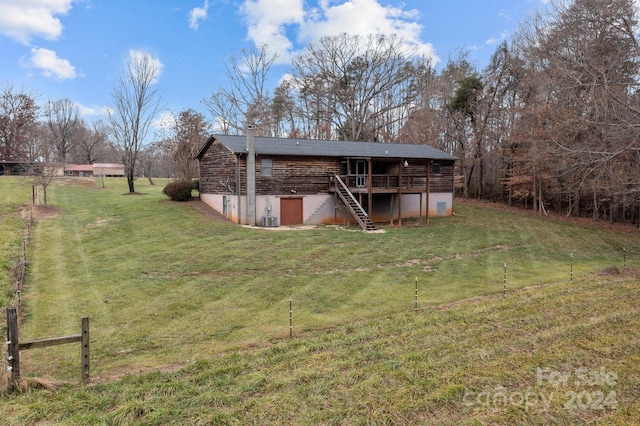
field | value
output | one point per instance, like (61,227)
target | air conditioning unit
(269,221)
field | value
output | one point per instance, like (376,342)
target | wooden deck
(385,184)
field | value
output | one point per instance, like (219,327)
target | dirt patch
(612,271)
(417,262)
(80,181)
(44,212)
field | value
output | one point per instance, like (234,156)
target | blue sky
(76,48)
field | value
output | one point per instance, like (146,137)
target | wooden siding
(443,181)
(218,167)
(296,175)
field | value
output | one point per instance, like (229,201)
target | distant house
(271,181)
(81,170)
(108,169)
(97,169)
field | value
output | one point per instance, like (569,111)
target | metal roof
(324,148)
(78,167)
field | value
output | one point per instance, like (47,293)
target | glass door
(361,173)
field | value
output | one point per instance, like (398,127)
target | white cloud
(497,40)
(140,56)
(22,20)
(361,17)
(50,65)
(163,124)
(92,110)
(197,14)
(165,120)
(270,20)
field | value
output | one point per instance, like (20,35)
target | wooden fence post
(14,346)
(85,349)
(13,351)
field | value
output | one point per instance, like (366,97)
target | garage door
(291,211)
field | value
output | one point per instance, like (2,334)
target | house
(270,181)
(82,170)
(96,169)
(108,170)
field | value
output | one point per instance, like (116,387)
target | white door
(361,173)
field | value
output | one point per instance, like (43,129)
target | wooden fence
(14,346)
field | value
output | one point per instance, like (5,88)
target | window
(343,167)
(435,168)
(267,167)
(379,168)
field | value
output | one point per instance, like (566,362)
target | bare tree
(136,102)
(18,114)
(148,160)
(38,145)
(248,97)
(92,142)
(63,122)
(226,115)
(285,111)
(44,167)
(364,85)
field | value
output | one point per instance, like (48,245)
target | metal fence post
(85,349)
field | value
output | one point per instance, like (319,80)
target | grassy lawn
(207,304)
(14,194)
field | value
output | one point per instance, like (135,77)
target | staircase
(353,205)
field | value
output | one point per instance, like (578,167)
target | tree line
(550,124)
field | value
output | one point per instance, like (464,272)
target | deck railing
(385,182)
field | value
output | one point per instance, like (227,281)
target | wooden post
(13,351)
(370,187)
(85,349)
(400,193)
(14,346)
(429,167)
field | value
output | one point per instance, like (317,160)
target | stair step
(356,209)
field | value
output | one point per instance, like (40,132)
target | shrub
(196,184)
(178,190)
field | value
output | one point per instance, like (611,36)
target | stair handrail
(357,214)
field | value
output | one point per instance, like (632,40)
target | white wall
(320,208)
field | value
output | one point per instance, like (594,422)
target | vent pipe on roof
(251,176)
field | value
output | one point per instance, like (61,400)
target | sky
(76,49)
